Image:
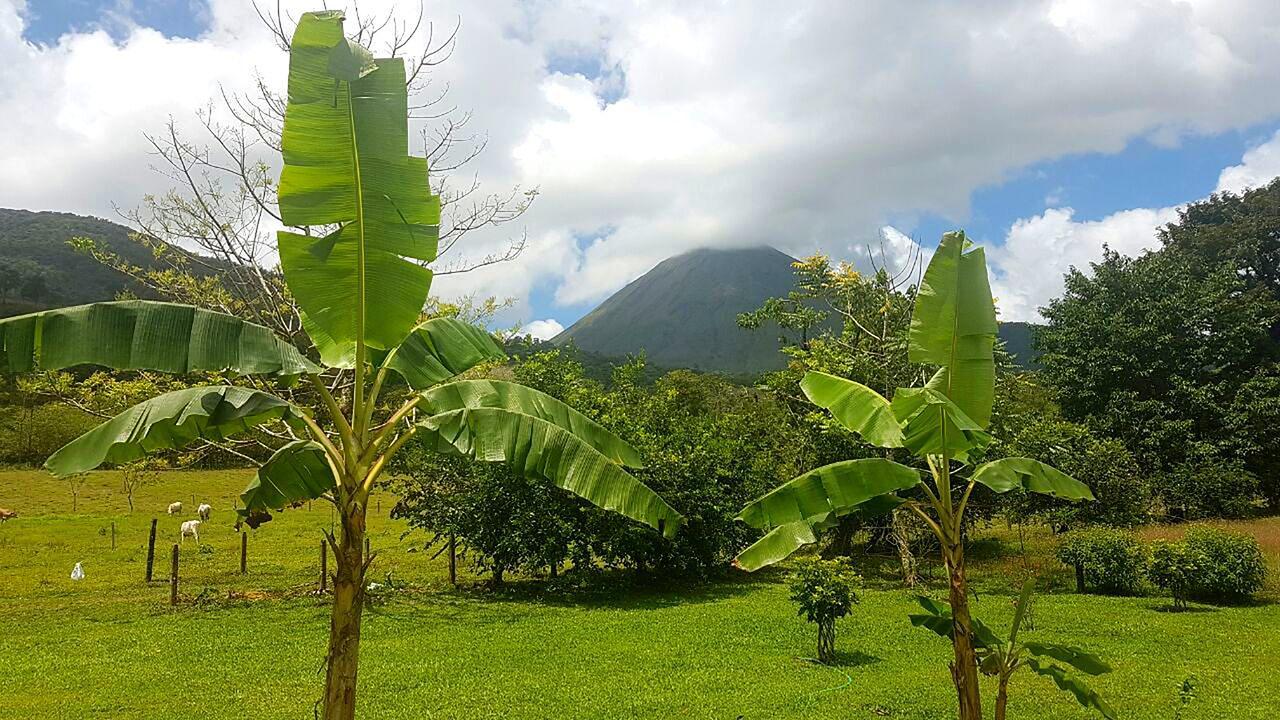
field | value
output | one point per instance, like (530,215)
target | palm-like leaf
(953,326)
(1075,657)
(856,406)
(535,447)
(439,349)
(837,488)
(170,421)
(932,424)
(777,544)
(1032,475)
(346,162)
(144,335)
(476,394)
(294,473)
(1082,692)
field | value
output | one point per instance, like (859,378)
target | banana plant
(953,328)
(365,225)
(1001,658)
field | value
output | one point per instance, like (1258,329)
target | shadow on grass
(1190,609)
(853,659)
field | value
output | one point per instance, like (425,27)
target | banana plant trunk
(344,628)
(1002,697)
(964,669)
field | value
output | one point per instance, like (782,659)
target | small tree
(943,424)
(135,475)
(824,591)
(76,484)
(1173,568)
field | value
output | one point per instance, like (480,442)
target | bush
(31,433)
(1229,565)
(1108,560)
(824,591)
(1174,568)
(1210,487)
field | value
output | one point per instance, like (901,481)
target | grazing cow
(175,508)
(6,514)
(192,528)
(204,511)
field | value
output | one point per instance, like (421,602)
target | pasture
(252,645)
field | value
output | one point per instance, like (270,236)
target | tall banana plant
(366,224)
(953,328)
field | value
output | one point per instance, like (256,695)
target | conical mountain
(683,313)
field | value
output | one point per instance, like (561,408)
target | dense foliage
(824,592)
(1229,565)
(1174,568)
(1112,561)
(1175,353)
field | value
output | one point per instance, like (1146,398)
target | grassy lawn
(251,645)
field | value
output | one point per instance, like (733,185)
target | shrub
(1106,559)
(1230,565)
(1210,487)
(824,591)
(1174,568)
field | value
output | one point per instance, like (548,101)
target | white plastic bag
(77,573)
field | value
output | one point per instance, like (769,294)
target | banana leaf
(440,349)
(475,394)
(1082,692)
(347,163)
(535,447)
(1073,656)
(777,544)
(295,473)
(953,325)
(837,488)
(932,424)
(1031,475)
(170,421)
(856,406)
(145,335)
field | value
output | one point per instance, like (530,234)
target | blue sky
(653,130)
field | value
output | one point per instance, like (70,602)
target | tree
(953,328)
(1173,351)
(364,214)
(138,474)
(824,591)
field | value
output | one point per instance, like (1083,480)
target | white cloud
(1028,267)
(542,329)
(804,125)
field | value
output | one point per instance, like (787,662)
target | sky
(1045,128)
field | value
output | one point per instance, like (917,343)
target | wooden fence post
(113,534)
(244,551)
(324,566)
(1079,577)
(151,549)
(453,560)
(173,578)
(366,546)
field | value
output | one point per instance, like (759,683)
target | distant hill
(684,312)
(39,270)
(1017,337)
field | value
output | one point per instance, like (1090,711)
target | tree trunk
(1002,697)
(344,627)
(902,540)
(826,640)
(964,669)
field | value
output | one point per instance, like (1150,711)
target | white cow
(192,528)
(175,508)
(204,511)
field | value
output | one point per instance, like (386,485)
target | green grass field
(239,646)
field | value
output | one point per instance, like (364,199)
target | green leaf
(535,447)
(144,335)
(780,542)
(347,163)
(476,394)
(1032,475)
(1084,695)
(837,487)
(1073,656)
(294,473)
(938,619)
(170,421)
(856,406)
(1021,608)
(932,424)
(439,349)
(953,325)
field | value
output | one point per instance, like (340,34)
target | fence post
(366,546)
(324,566)
(173,578)
(1079,577)
(453,560)
(113,534)
(151,549)
(244,551)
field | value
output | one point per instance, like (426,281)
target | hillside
(38,269)
(1018,337)
(683,313)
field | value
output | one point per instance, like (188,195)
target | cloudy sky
(1046,128)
